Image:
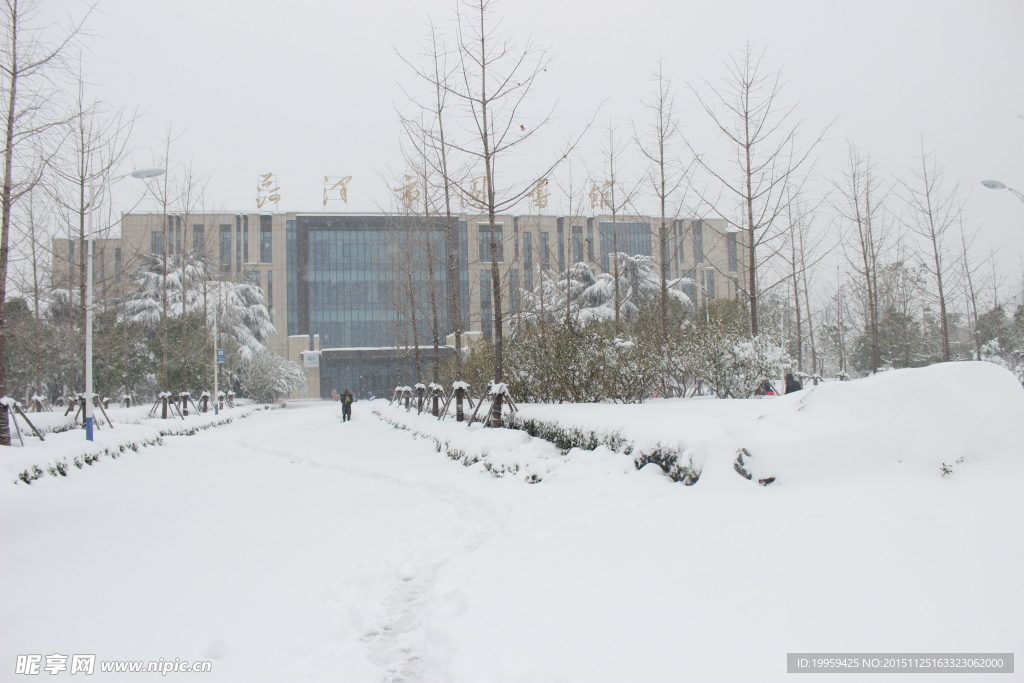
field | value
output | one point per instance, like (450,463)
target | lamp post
(996,185)
(141,173)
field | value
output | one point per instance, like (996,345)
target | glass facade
(292,279)
(561,246)
(577,243)
(528,261)
(354,274)
(708,281)
(225,248)
(484,232)
(270,295)
(238,244)
(513,290)
(689,287)
(485,302)
(627,238)
(734,261)
(698,242)
(266,238)
(199,238)
(374,372)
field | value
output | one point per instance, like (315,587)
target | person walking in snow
(346,406)
(792,383)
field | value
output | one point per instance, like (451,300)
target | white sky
(309,88)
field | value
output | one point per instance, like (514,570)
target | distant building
(345,278)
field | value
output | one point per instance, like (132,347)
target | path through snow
(291,546)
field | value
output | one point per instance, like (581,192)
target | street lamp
(996,185)
(142,173)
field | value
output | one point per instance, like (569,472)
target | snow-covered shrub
(732,364)
(265,376)
(668,460)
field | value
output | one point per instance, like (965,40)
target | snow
(65,441)
(292,546)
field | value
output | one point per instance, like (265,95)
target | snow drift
(912,422)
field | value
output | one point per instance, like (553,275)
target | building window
(698,242)
(199,240)
(485,301)
(528,261)
(157,246)
(624,238)
(689,288)
(270,295)
(513,290)
(708,281)
(515,239)
(577,243)
(734,260)
(680,245)
(266,238)
(590,243)
(484,231)
(245,238)
(561,248)
(545,251)
(225,248)
(117,264)
(238,244)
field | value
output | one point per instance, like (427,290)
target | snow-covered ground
(290,546)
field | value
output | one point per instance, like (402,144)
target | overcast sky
(308,89)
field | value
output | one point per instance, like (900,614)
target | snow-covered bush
(734,365)
(265,376)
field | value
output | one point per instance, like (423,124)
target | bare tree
(806,250)
(866,234)
(971,286)
(490,84)
(430,130)
(666,176)
(763,135)
(29,57)
(934,210)
(614,196)
(95,144)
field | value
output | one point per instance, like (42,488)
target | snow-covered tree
(266,376)
(582,294)
(195,303)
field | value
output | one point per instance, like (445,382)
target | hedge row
(60,468)
(567,438)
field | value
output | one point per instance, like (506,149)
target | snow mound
(919,421)
(916,422)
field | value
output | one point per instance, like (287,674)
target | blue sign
(220,355)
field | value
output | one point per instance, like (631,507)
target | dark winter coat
(792,384)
